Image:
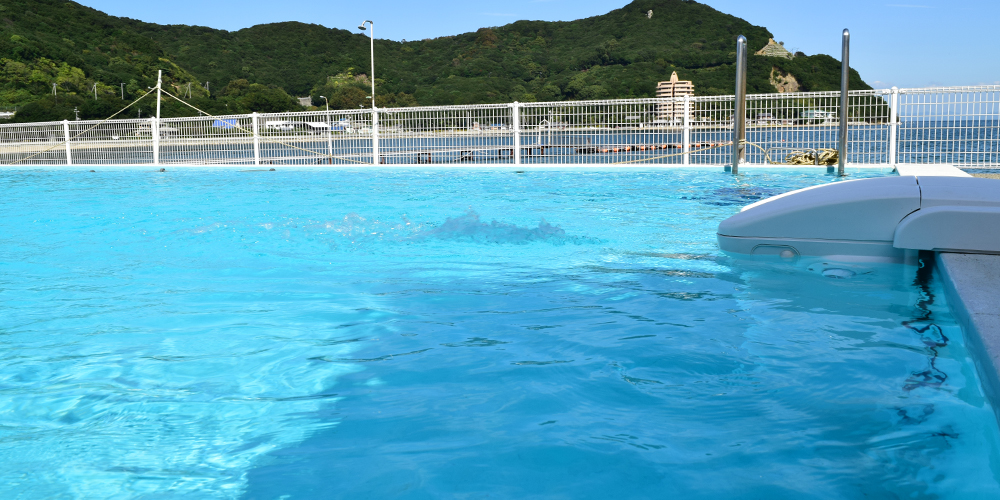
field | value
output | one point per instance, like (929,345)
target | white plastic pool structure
(882,219)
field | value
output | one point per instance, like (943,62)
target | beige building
(673,111)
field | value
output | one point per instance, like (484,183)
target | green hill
(620,54)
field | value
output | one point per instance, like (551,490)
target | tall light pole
(327,102)
(123,91)
(371,34)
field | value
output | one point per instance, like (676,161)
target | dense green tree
(46,42)
(346,90)
(620,54)
(397,100)
(245,97)
(267,99)
(49,109)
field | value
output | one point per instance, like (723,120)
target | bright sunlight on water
(306,334)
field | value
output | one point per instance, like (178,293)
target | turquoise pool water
(423,334)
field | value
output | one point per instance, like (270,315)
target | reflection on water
(738,196)
(931,334)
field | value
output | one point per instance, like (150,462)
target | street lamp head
(322,97)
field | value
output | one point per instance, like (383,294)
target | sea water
(967,142)
(304,334)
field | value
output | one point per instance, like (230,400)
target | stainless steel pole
(740,106)
(845,73)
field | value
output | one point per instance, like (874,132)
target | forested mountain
(620,54)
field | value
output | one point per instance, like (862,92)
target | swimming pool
(419,334)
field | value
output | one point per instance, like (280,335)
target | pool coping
(939,170)
(972,287)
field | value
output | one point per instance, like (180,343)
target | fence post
(69,155)
(687,129)
(893,124)
(374,134)
(515,110)
(329,138)
(256,138)
(155,129)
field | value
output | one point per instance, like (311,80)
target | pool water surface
(302,334)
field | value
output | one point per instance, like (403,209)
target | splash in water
(469,227)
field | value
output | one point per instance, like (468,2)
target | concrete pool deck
(972,284)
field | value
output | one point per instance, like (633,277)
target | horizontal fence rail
(959,125)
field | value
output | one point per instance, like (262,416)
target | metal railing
(959,125)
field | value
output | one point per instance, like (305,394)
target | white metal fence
(958,125)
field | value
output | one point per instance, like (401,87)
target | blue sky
(894,42)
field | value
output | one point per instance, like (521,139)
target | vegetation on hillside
(621,54)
